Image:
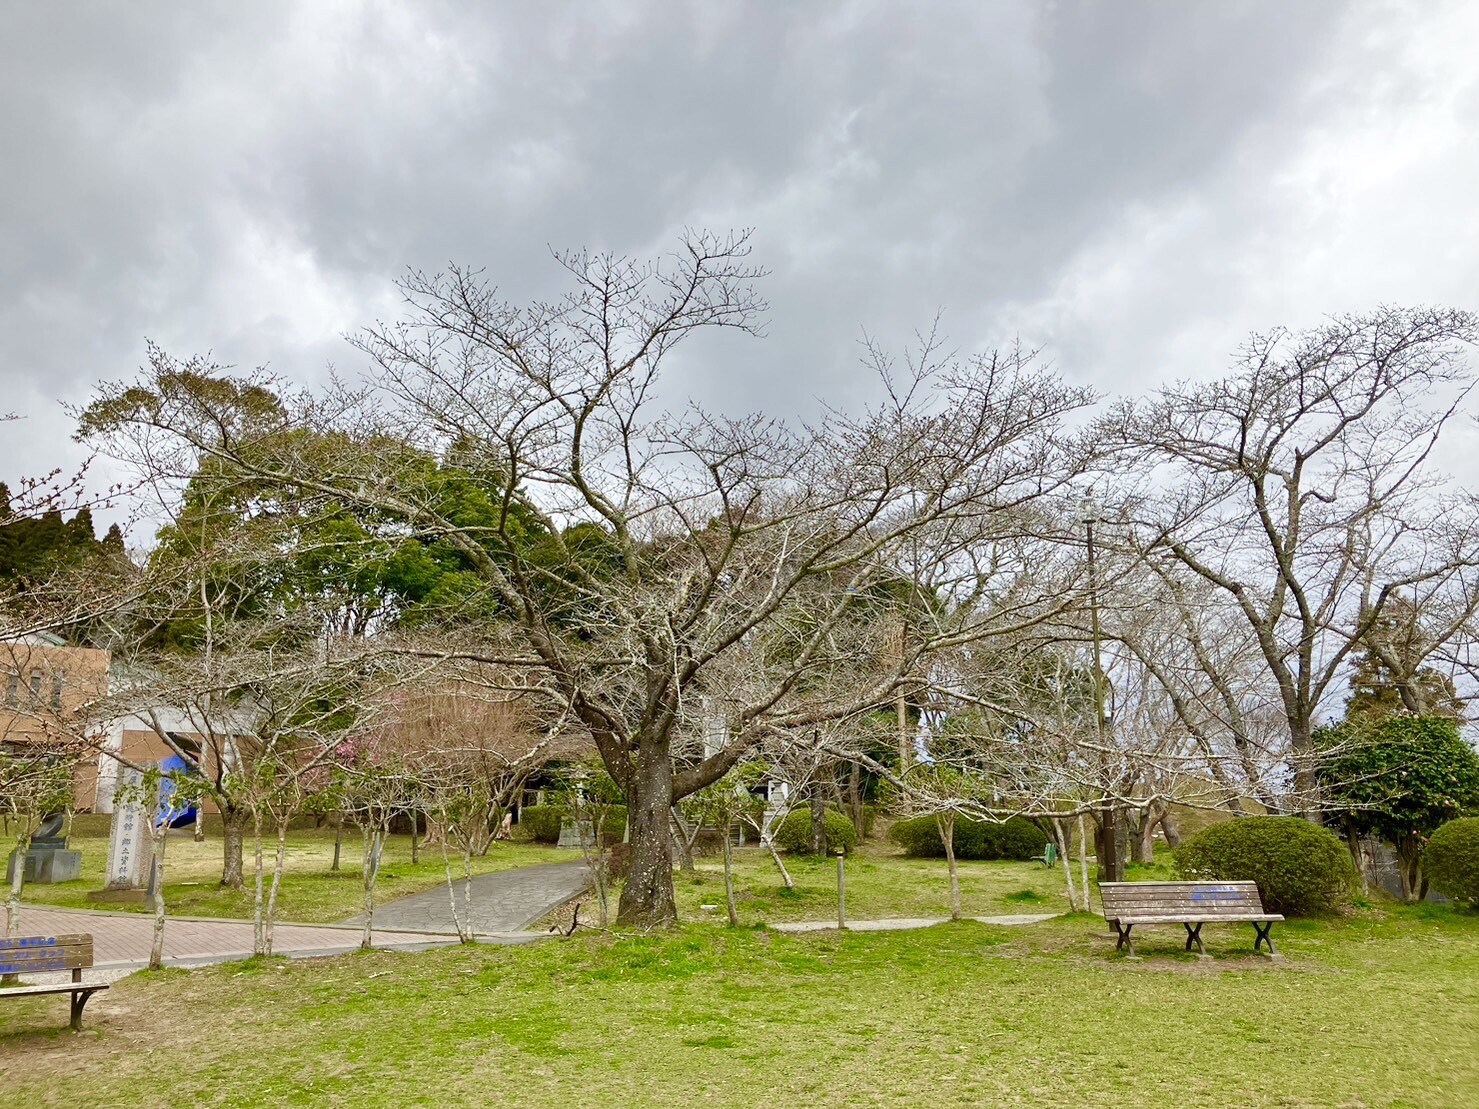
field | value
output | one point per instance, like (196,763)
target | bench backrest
(35,954)
(1208,900)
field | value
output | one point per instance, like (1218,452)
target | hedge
(794,833)
(1299,867)
(1017,838)
(1451,860)
(541,823)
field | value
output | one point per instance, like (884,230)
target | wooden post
(841,892)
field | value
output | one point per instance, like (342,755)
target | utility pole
(1111,866)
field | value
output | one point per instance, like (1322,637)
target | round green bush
(1452,860)
(1299,867)
(1017,838)
(793,834)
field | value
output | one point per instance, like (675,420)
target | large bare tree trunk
(684,842)
(647,897)
(1306,783)
(233,822)
(1409,866)
(1170,828)
(1142,842)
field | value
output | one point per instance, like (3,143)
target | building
(57,694)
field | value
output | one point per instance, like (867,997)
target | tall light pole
(1111,866)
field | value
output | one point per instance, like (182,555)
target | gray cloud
(1131,187)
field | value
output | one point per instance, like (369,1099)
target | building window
(56,690)
(36,676)
(13,690)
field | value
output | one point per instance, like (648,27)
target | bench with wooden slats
(1192,904)
(41,954)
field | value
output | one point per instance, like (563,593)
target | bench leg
(1263,937)
(1125,942)
(79,1000)
(1194,936)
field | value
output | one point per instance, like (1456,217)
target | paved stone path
(899,924)
(122,940)
(502,902)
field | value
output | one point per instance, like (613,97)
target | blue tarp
(168,812)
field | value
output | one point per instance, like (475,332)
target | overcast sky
(1131,187)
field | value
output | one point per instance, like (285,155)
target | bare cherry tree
(634,552)
(1302,488)
(476,744)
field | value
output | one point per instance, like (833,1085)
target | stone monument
(128,843)
(47,859)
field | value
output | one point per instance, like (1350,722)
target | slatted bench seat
(1192,904)
(40,954)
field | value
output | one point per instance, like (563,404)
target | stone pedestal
(119,897)
(47,865)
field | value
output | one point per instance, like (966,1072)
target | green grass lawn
(1378,1008)
(880,883)
(311,891)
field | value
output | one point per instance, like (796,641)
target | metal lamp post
(1111,866)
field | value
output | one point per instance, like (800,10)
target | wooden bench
(39,954)
(1193,904)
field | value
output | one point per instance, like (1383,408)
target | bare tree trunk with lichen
(729,880)
(945,822)
(156,947)
(278,862)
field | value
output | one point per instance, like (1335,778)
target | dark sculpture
(50,832)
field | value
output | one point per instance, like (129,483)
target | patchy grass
(311,892)
(1379,1008)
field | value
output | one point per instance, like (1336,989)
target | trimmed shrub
(794,833)
(870,815)
(1452,860)
(615,824)
(1299,867)
(541,823)
(1018,838)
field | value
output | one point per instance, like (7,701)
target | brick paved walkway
(502,902)
(123,939)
